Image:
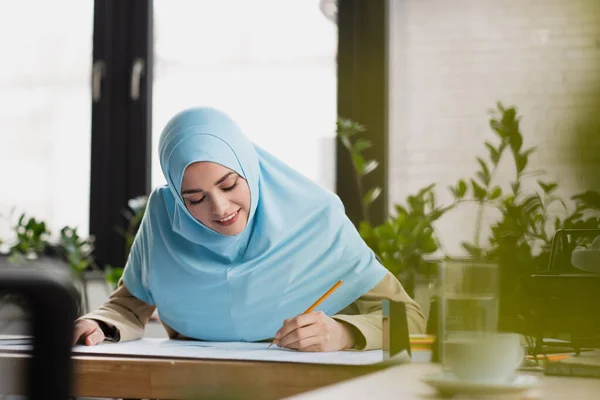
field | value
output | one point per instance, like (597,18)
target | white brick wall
(452,60)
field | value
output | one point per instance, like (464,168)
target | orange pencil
(316,303)
(548,357)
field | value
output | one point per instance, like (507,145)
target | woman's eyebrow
(227,175)
(191,191)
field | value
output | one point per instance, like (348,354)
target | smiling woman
(238,245)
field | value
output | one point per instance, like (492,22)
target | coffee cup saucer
(448,384)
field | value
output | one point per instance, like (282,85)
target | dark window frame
(363,97)
(121,120)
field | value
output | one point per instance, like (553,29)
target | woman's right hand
(87,331)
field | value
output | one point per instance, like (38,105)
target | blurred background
(447,127)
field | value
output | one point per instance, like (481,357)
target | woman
(238,245)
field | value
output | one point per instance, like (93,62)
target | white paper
(228,351)
(192,349)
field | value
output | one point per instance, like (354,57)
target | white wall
(452,60)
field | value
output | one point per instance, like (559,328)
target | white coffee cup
(483,357)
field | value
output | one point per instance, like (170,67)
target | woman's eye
(196,201)
(229,188)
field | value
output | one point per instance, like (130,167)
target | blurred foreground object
(52,306)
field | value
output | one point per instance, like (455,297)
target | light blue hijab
(297,244)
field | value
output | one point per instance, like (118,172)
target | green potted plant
(519,241)
(33,247)
(405,238)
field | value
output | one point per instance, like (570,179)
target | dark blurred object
(564,244)
(565,299)
(395,329)
(53,311)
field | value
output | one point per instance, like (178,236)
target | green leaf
(498,128)
(516,186)
(589,199)
(416,204)
(346,143)
(516,141)
(454,191)
(484,174)
(348,128)
(529,151)
(370,166)
(361,145)
(521,162)
(548,187)
(500,107)
(400,210)
(532,204)
(494,153)
(482,178)
(462,188)
(425,190)
(371,196)
(508,116)
(478,191)
(386,231)
(429,245)
(472,250)
(561,201)
(402,240)
(359,163)
(113,274)
(495,193)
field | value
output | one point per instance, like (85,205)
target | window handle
(137,70)
(98,72)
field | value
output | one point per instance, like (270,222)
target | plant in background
(521,239)
(77,252)
(133,214)
(31,239)
(403,239)
(347,131)
(527,218)
(406,237)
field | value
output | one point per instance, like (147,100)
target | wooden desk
(154,378)
(404,382)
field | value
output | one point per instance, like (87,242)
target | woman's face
(217,197)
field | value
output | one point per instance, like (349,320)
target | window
(45,112)
(275,74)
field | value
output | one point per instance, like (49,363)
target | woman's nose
(220,205)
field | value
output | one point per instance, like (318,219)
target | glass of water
(468,300)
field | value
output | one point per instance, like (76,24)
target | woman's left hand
(314,332)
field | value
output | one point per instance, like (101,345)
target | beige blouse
(125,316)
